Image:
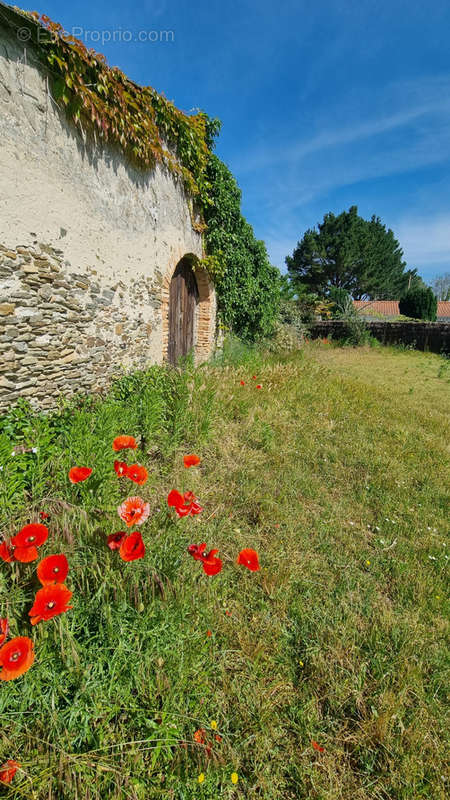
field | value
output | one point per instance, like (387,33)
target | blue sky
(324,105)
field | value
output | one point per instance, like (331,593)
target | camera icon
(24,34)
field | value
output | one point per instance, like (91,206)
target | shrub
(285,339)
(419,303)
(291,315)
(341,300)
(357,330)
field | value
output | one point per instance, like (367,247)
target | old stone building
(99,260)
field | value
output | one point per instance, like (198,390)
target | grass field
(336,472)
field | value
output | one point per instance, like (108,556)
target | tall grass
(338,479)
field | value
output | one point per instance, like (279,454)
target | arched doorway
(183,299)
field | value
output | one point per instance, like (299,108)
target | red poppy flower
(4,628)
(8,770)
(317,746)
(43,515)
(6,552)
(242,383)
(79,474)
(132,547)
(248,558)
(211,564)
(254,377)
(197,551)
(114,540)
(134,511)
(16,656)
(137,474)
(121,468)
(50,601)
(26,554)
(30,536)
(258,386)
(191,461)
(124,443)
(199,736)
(228,613)
(208,633)
(184,504)
(53,569)
(175,499)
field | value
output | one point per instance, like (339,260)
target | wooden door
(183,298)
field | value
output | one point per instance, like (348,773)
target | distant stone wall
(86,242)
(432,336)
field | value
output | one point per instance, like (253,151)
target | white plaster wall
(109,219)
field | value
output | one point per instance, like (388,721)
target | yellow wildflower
(201,777)
(234,777)
(213,724)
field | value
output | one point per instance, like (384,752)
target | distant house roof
(443,309)
(390,308)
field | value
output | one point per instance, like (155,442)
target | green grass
(336,472)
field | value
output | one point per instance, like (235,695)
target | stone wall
(86,243)
(62,331)
(431,336)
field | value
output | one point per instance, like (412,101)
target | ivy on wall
(247,285)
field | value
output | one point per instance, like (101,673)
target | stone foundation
(63,332)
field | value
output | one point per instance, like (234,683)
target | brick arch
(204,322)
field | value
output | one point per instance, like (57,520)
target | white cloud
(426,239)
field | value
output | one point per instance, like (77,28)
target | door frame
(205,313)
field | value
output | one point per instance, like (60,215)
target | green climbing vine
(247,285)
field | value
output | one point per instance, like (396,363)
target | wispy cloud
(425,239)
(399,106)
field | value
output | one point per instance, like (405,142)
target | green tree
(248,286)
(351,253)
(419,303)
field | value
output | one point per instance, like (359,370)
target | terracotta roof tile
(443,309)
(390,308)
(387,307)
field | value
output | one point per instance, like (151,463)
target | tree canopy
(351,253)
